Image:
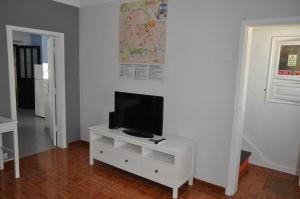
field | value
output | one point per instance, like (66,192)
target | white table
(9,126)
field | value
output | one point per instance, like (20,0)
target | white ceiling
(82,3)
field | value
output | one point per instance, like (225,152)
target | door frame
(241,93)
(59,74)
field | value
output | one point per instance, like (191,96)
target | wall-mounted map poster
(142,39)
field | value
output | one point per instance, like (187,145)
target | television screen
(138,112)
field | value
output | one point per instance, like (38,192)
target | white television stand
(170,163)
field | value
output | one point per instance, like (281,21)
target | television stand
(137,133)
(170,163)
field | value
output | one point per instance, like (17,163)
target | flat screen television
(140,115)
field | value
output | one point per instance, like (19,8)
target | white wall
(272,130)
(202,49)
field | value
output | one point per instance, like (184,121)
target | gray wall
(52,16)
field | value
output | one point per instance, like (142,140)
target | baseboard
(84,141)
(213,186)
(263,161)
(8,160)
(277,168)
(78,142)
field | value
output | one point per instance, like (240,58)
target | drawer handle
(101,152)
(156,171)
(126,161)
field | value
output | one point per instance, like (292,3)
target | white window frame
(282,88)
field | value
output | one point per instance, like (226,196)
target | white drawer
(104,154)
(129,163)
(159,172)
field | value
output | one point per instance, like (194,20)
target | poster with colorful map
(142,39)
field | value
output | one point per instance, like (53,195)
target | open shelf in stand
(161,157)
(130,148)
(103,140)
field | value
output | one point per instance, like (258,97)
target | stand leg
(91,161)
(16,152)
(191,181)
(91,154)
(175,193)
(1,154)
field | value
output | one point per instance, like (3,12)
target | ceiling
(82,3)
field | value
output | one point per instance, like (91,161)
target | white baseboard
(85,140)
(277,168)
(263,161)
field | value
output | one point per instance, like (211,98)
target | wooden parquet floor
(66,173)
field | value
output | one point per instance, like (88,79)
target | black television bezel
(160,99)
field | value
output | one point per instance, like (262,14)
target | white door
(52,91)
(39,90)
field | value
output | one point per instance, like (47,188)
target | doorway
(241,92)
(32,91)
(56,80)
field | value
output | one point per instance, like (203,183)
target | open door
(51,109)
(25,58)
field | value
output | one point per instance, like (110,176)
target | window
(284,71)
